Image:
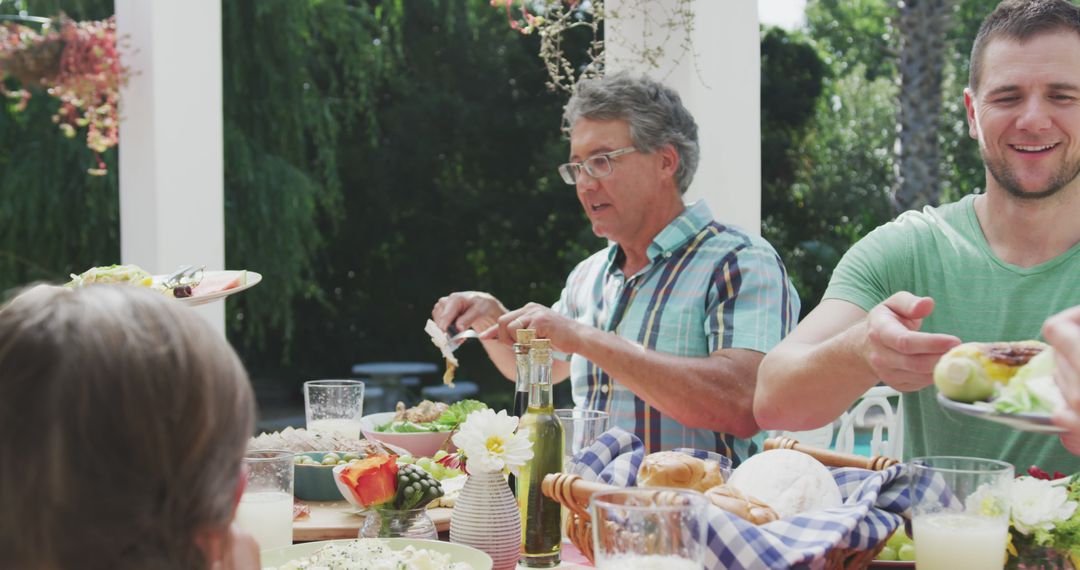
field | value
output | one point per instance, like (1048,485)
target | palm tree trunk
(922,28)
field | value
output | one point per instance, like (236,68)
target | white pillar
(719,81)
(171,149)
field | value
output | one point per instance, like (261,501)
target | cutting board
(338,519)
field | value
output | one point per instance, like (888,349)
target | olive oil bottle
(540,516)
(521,394)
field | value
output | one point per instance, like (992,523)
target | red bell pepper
(373,481)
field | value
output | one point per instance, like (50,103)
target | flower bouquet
(1045,524)
(79,64)
(490,442)
(394,496)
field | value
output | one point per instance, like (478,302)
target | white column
(171,148)
(719,81)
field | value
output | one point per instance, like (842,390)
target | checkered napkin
(873,503)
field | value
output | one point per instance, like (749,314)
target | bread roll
(789,481)
(740,504)
(674,469)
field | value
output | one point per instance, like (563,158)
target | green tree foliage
(826,180)
(301,82)
(54,219)
(850,32)
(447,182)
(377,157)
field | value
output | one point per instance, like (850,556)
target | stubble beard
(1005,176)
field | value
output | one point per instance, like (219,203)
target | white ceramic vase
(486,517)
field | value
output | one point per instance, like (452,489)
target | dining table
(332,520)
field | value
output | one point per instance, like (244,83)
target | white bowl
(421,444)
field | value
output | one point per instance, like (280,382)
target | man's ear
(969,104)
(669,159)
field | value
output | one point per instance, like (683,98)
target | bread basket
(574,493)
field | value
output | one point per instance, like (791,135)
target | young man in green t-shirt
(989,267)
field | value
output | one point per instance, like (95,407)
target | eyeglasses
(597,166)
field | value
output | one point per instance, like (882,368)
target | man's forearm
(713,392)
(805,386)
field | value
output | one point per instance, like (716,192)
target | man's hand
(467,309)
(898,354)
(565,333)
(1062,331)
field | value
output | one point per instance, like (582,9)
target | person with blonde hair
(123,424)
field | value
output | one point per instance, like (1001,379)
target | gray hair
(654,112)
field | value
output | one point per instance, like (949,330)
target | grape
(406,460)
(886,553)
(440,454)
(906,552)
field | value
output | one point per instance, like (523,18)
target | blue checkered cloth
(874,502)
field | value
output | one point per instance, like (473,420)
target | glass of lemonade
(266,507)
(960,512)
(334,406)
(637,528)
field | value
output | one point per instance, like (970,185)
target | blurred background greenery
(382,153)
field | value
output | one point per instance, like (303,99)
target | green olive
(330,459)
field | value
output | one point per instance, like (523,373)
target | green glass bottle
(541,536)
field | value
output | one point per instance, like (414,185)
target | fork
(176,279)
(459,339)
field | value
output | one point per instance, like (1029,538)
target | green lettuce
(457,412)
(1032,389)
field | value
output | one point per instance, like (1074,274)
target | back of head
(124,422)
(654,112)
(1021,20)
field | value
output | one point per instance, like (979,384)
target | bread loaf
(789,481)
(674,469)
(740,504)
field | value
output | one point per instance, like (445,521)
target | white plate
(458,552)
(248,279)
(1039,423)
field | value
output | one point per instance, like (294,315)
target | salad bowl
(419,444)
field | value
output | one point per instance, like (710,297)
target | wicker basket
(574,493)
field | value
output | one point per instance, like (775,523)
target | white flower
(490,444)
(1039,504)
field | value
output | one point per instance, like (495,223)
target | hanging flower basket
(76,62)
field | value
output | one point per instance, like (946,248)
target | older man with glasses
(667,325)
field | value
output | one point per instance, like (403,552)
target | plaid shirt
(706,287)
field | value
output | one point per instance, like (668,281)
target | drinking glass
(266,507)
(960,512)
(580,429)
(638,528)
(334,406)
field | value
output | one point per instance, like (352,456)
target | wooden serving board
(338,519)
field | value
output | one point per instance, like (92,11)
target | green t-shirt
(942,253)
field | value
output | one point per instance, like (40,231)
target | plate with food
(191,285)
(389,553)
(1010,383)
(213,285)
(423,429)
